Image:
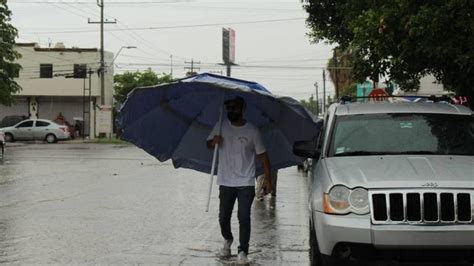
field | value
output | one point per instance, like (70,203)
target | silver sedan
(36,129)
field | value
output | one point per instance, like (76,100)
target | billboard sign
(228,45)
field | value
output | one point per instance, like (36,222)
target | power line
(180,26)
(95,12)
(192,67)
(147,43)
(289,67)
(137,2)
(69,11)
(134,35)
(309,60)
(251,66)
(69,4)
(89,3)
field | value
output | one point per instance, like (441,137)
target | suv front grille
(425,207)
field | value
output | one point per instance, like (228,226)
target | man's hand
(216,140)
(267,185)
(267,182)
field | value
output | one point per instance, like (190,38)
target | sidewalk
(23,143)
(14,144)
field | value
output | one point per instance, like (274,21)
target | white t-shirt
(237,152)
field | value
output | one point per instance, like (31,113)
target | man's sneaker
(242,258)
(225,251)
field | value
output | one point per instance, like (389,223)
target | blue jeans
(227,197)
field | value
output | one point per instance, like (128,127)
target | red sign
(378,95)
(462,100)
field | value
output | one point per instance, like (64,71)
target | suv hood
(402,171)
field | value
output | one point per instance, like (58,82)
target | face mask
(233,116)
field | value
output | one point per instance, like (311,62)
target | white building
(428,86)
(56,80)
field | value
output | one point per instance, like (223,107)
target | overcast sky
(271,43)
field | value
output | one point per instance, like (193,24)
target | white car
(36,129)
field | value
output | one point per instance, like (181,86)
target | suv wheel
(9,137)
(315,256)
(50,138)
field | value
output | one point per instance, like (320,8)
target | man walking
(239,145)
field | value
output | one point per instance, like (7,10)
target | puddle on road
(254,256)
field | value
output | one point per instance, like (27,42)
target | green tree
(309,104)
(8,55)
(126,82)
(402,39)
(349,90)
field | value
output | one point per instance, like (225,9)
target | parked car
(36,129)
(11,120)
(392,181)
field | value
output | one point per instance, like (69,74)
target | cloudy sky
(271,43)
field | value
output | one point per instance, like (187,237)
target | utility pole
(317,98)
(191,69)
(171,73)
(228,66)
(335,73)
(323,110)
(100,3)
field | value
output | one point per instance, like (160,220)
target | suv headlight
(342,200)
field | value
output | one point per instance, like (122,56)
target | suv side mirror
(306,148)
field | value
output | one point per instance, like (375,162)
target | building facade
(428,86)
(64,81)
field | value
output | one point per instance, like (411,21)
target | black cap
(237,100)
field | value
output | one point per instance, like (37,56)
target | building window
(46,71)
(80,71)
(27,123)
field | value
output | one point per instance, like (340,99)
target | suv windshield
(380,134)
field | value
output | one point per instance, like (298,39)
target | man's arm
(212,142)
(267,183)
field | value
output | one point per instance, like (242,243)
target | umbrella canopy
(172,121)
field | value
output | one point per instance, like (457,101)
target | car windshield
(382,134)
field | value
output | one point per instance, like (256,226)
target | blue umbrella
(173,120)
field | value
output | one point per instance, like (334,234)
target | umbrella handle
(213,167)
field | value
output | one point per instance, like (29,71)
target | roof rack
(348,99)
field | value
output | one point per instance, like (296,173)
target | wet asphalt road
(114,204)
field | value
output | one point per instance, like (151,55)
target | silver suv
(392,181)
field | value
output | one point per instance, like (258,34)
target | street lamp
(117,54)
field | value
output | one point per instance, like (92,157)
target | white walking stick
(214,158)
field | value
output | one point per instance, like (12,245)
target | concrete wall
(19,108)
(430,86)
